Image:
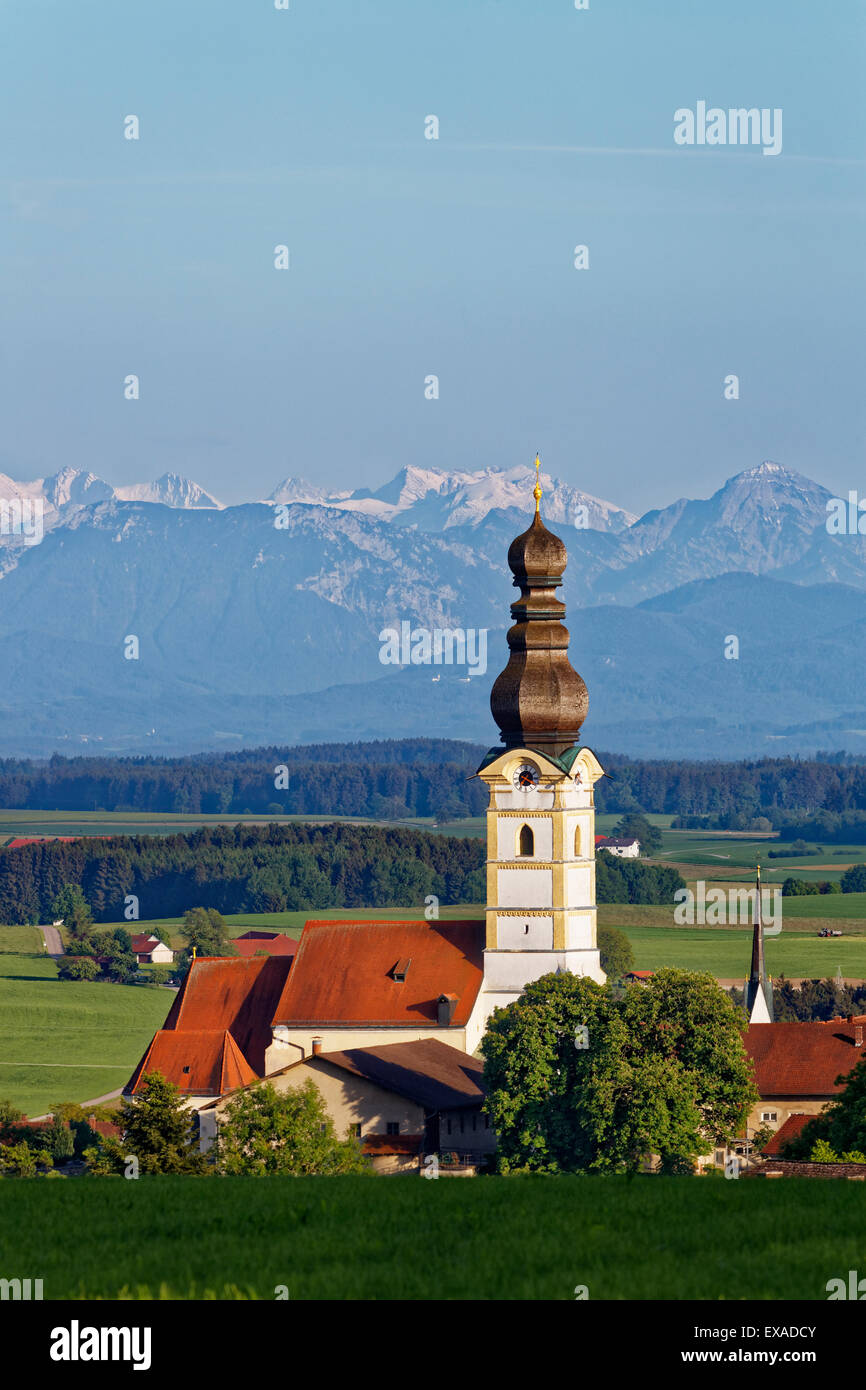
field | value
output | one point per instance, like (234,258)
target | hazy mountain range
(260,622)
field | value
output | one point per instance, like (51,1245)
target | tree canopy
(663,1070)
(264,1131)
(158,1130)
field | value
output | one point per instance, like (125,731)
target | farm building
(269,943)
(401,1100)
(149,950)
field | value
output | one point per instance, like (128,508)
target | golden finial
(536,491)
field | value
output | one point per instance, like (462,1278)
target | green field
(68,1040)
(22,940)
(734,855)
(726,952)
(408,1238)
(834,906)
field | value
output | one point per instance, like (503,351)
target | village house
(149,950)
(625,849)
(267,943)
(401,1100)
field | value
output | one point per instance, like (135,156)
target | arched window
(525,841)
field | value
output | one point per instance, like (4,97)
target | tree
(18,1160)
(205,929)
(617,957)
(120,961)
(635,827)
(58,1139)
(854,879)
(762,1137)
(77,968)
(663,1071)
(158,1130)
(71,907)
(264,1131)
(12,1122)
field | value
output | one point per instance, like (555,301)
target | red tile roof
(271,943)
(789,1130)
(198,1061)
(228,993)
(430,1072)
(342,973)
(803,1059)
(218,1024)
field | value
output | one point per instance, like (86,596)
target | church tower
(758,990)
(541,914)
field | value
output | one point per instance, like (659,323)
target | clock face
(526,777)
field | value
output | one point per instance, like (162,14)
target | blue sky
(411,257)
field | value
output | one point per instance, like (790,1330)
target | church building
(364,984)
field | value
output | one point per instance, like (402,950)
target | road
(53,943)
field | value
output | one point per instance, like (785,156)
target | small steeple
(759,991)
(539,700)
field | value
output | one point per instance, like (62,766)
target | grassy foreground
(399,1238)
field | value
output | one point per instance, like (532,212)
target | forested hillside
(274,868)
(420,777)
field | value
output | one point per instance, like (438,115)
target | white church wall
(578,885)
(525,933)
(509,799)
(508,830)
(578,931)
(579,797)
(522,887)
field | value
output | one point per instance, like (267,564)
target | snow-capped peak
(172,490)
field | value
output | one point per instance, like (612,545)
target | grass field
(726,952)
(22,940)
(68,1040)
(407,1238)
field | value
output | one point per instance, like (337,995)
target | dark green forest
(275,868)
(432,777)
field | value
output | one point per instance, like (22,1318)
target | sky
(411,257)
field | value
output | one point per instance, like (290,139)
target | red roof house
(272,943)
(805,1059)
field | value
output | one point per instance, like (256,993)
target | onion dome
(539,701)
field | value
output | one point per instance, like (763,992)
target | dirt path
(53,943)
(100,1100)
